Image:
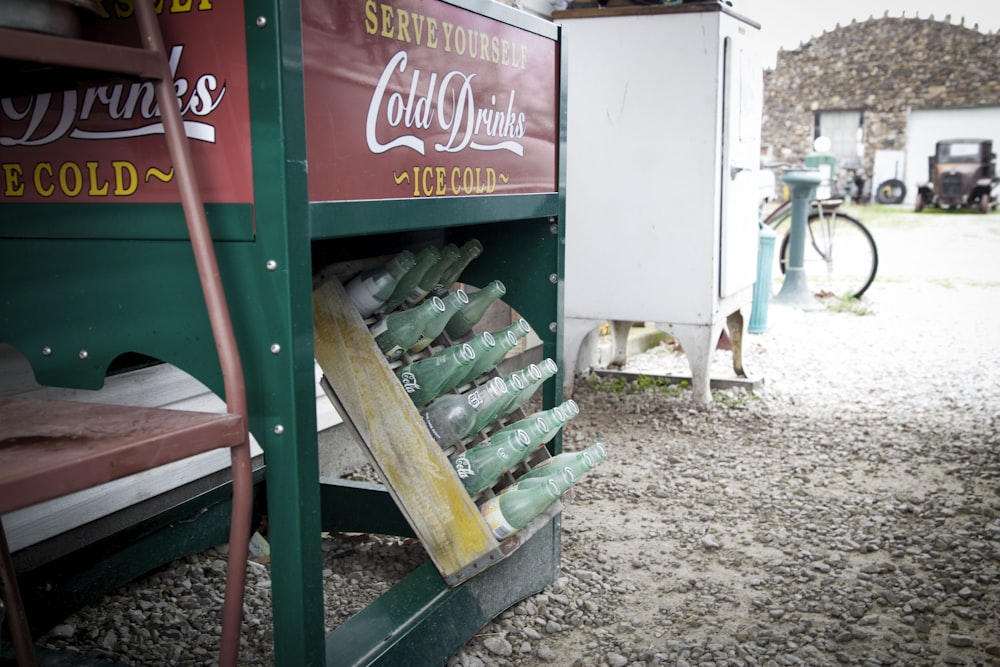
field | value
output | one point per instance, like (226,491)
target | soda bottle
(506,339)
(397,331)
(562,414)
(451,417)
(578,463)
(564,479)
(433,329)
(483,343)
(481,466)
(538,431)
(553,418)
(429,280)
(548,369)
(428,378)
(370,289)
(472,312)
(515,384)
(449,276)
(425,259)
(507,513)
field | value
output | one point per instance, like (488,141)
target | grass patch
(642,383)
(845,303)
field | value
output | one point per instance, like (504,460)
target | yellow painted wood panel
(416,471)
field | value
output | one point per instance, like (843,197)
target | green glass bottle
(506,339)
(554,418)
(429,280)
(481,466)
(483,343)
(538,430)
(561,414)
(451,417)
(564,479)
(472,312)
(515,384)
(548,369)
(449,277)
(370,289)
(507,513)
(425,259)
(397,331)
(578,463)
(452,303)
(428,378)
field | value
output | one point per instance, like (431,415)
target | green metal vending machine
(326,137)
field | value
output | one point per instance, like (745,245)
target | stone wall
(883,67)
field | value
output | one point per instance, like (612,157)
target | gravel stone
(844,511)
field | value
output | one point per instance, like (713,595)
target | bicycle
(848,272)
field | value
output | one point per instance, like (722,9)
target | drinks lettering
(481,466)
(428,378)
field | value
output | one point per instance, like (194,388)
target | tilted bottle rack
(415,469)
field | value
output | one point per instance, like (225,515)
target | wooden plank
(412,465)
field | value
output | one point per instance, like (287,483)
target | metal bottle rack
(281,203)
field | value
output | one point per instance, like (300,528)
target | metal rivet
(554,228)
(261,21)
(553,278)
(553,326)
(271,265)
(84,354)
(47,351)
(279,429)
(275,348)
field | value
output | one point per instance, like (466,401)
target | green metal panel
(165,222)
(276,306)
(420,621)
(360,507)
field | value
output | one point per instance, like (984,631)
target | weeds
(642,383)
(846,303)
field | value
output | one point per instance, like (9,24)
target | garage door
(925,127)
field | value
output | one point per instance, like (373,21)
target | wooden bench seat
(51,448)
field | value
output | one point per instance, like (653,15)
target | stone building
(884,91)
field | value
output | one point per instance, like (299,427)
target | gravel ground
(846,512)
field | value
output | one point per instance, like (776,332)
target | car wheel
(892,191)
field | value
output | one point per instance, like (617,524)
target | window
(846,133)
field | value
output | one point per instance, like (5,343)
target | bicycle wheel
(840,255)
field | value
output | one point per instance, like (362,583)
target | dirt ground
(847,511)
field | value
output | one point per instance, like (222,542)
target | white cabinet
(663,152)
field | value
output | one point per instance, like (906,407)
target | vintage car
(962,174)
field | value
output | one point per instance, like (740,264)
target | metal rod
(222,330)
(17,621)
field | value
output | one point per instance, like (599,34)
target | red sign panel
(419,98)
(105,143)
